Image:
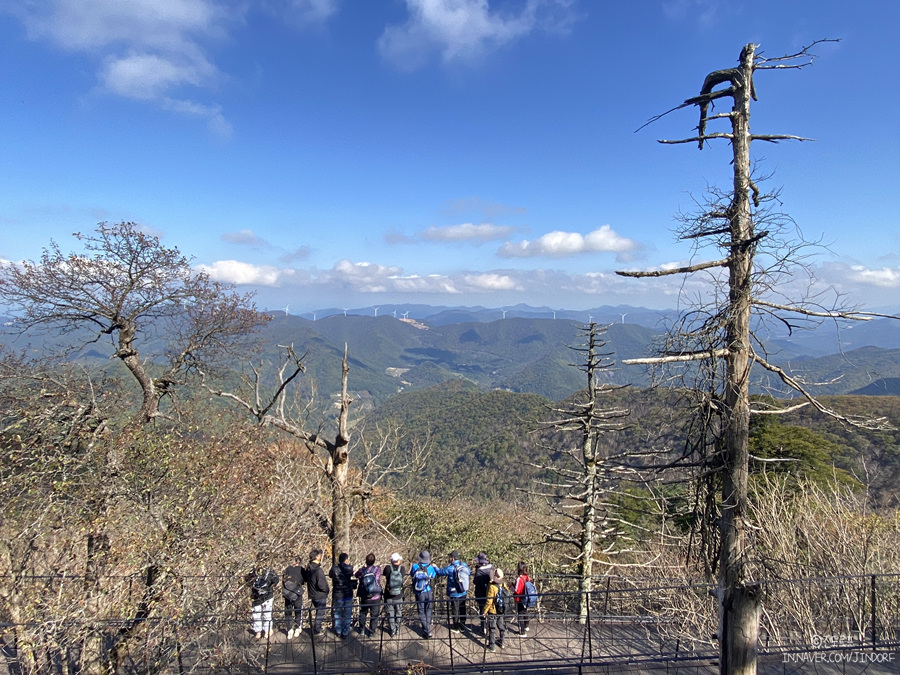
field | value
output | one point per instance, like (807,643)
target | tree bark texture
(738,620)
(340,473)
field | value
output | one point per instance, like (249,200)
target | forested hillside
(485,444)
(518,354)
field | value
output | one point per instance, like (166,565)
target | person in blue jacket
(458,575)
(421,574)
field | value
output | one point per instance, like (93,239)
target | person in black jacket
(292,582)
(262,597)
(484,572)
(342,585)
(317,588)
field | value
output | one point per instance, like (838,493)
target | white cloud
(147,50)
(245,238)
(313,11)
(366,279)
(492,282)
(168,25)
(241,273)
(150,76)
(215,120)
(464,232)
(886,277)
(468,232)
(565,244)
(463,30)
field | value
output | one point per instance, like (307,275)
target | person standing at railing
(369,595)
(393,575)
(421,574)
(317,587)
(523,597)
(484,570)
(292,591)
(342,585)
(494,609)
(262,597)
(458,574)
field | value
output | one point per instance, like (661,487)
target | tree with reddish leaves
(130,289)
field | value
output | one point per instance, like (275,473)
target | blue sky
(361,152)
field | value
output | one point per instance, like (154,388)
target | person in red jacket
(519,595)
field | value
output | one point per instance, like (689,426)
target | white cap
(396,557)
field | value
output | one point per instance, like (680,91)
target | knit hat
(481,559)
(424,558)
(454,555)
(396,557)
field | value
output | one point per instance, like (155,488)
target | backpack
(291,592)
(462,578)
(261,585)
(421,580)
(394,586)
(370,582)
(500,600)
(530,597)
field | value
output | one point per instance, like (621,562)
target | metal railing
(628,621)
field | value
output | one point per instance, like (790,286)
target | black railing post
(312,638)
(383,615)
(590,629)
(450,634)
(874,617)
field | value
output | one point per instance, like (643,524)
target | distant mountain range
(530,351)
(443,315)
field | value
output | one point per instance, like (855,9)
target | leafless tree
(127,287)
(718,337)
(275,407)
(582,489)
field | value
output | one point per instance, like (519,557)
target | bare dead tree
(127,287)
(583,486)
(276,408)
(719,340)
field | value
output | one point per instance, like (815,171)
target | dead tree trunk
(334,455)
(723,336)
(739,617)
(339,472)
(579,493)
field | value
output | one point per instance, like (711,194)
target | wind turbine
(376,311)
(554,315)
(623,318)
(406,314)
(286,308)
(590,318)
(345,310)
(314,316)
(504,313)
(394,313)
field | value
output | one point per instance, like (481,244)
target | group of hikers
(382,589)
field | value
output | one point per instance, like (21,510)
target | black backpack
(262,585)
(291,591)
